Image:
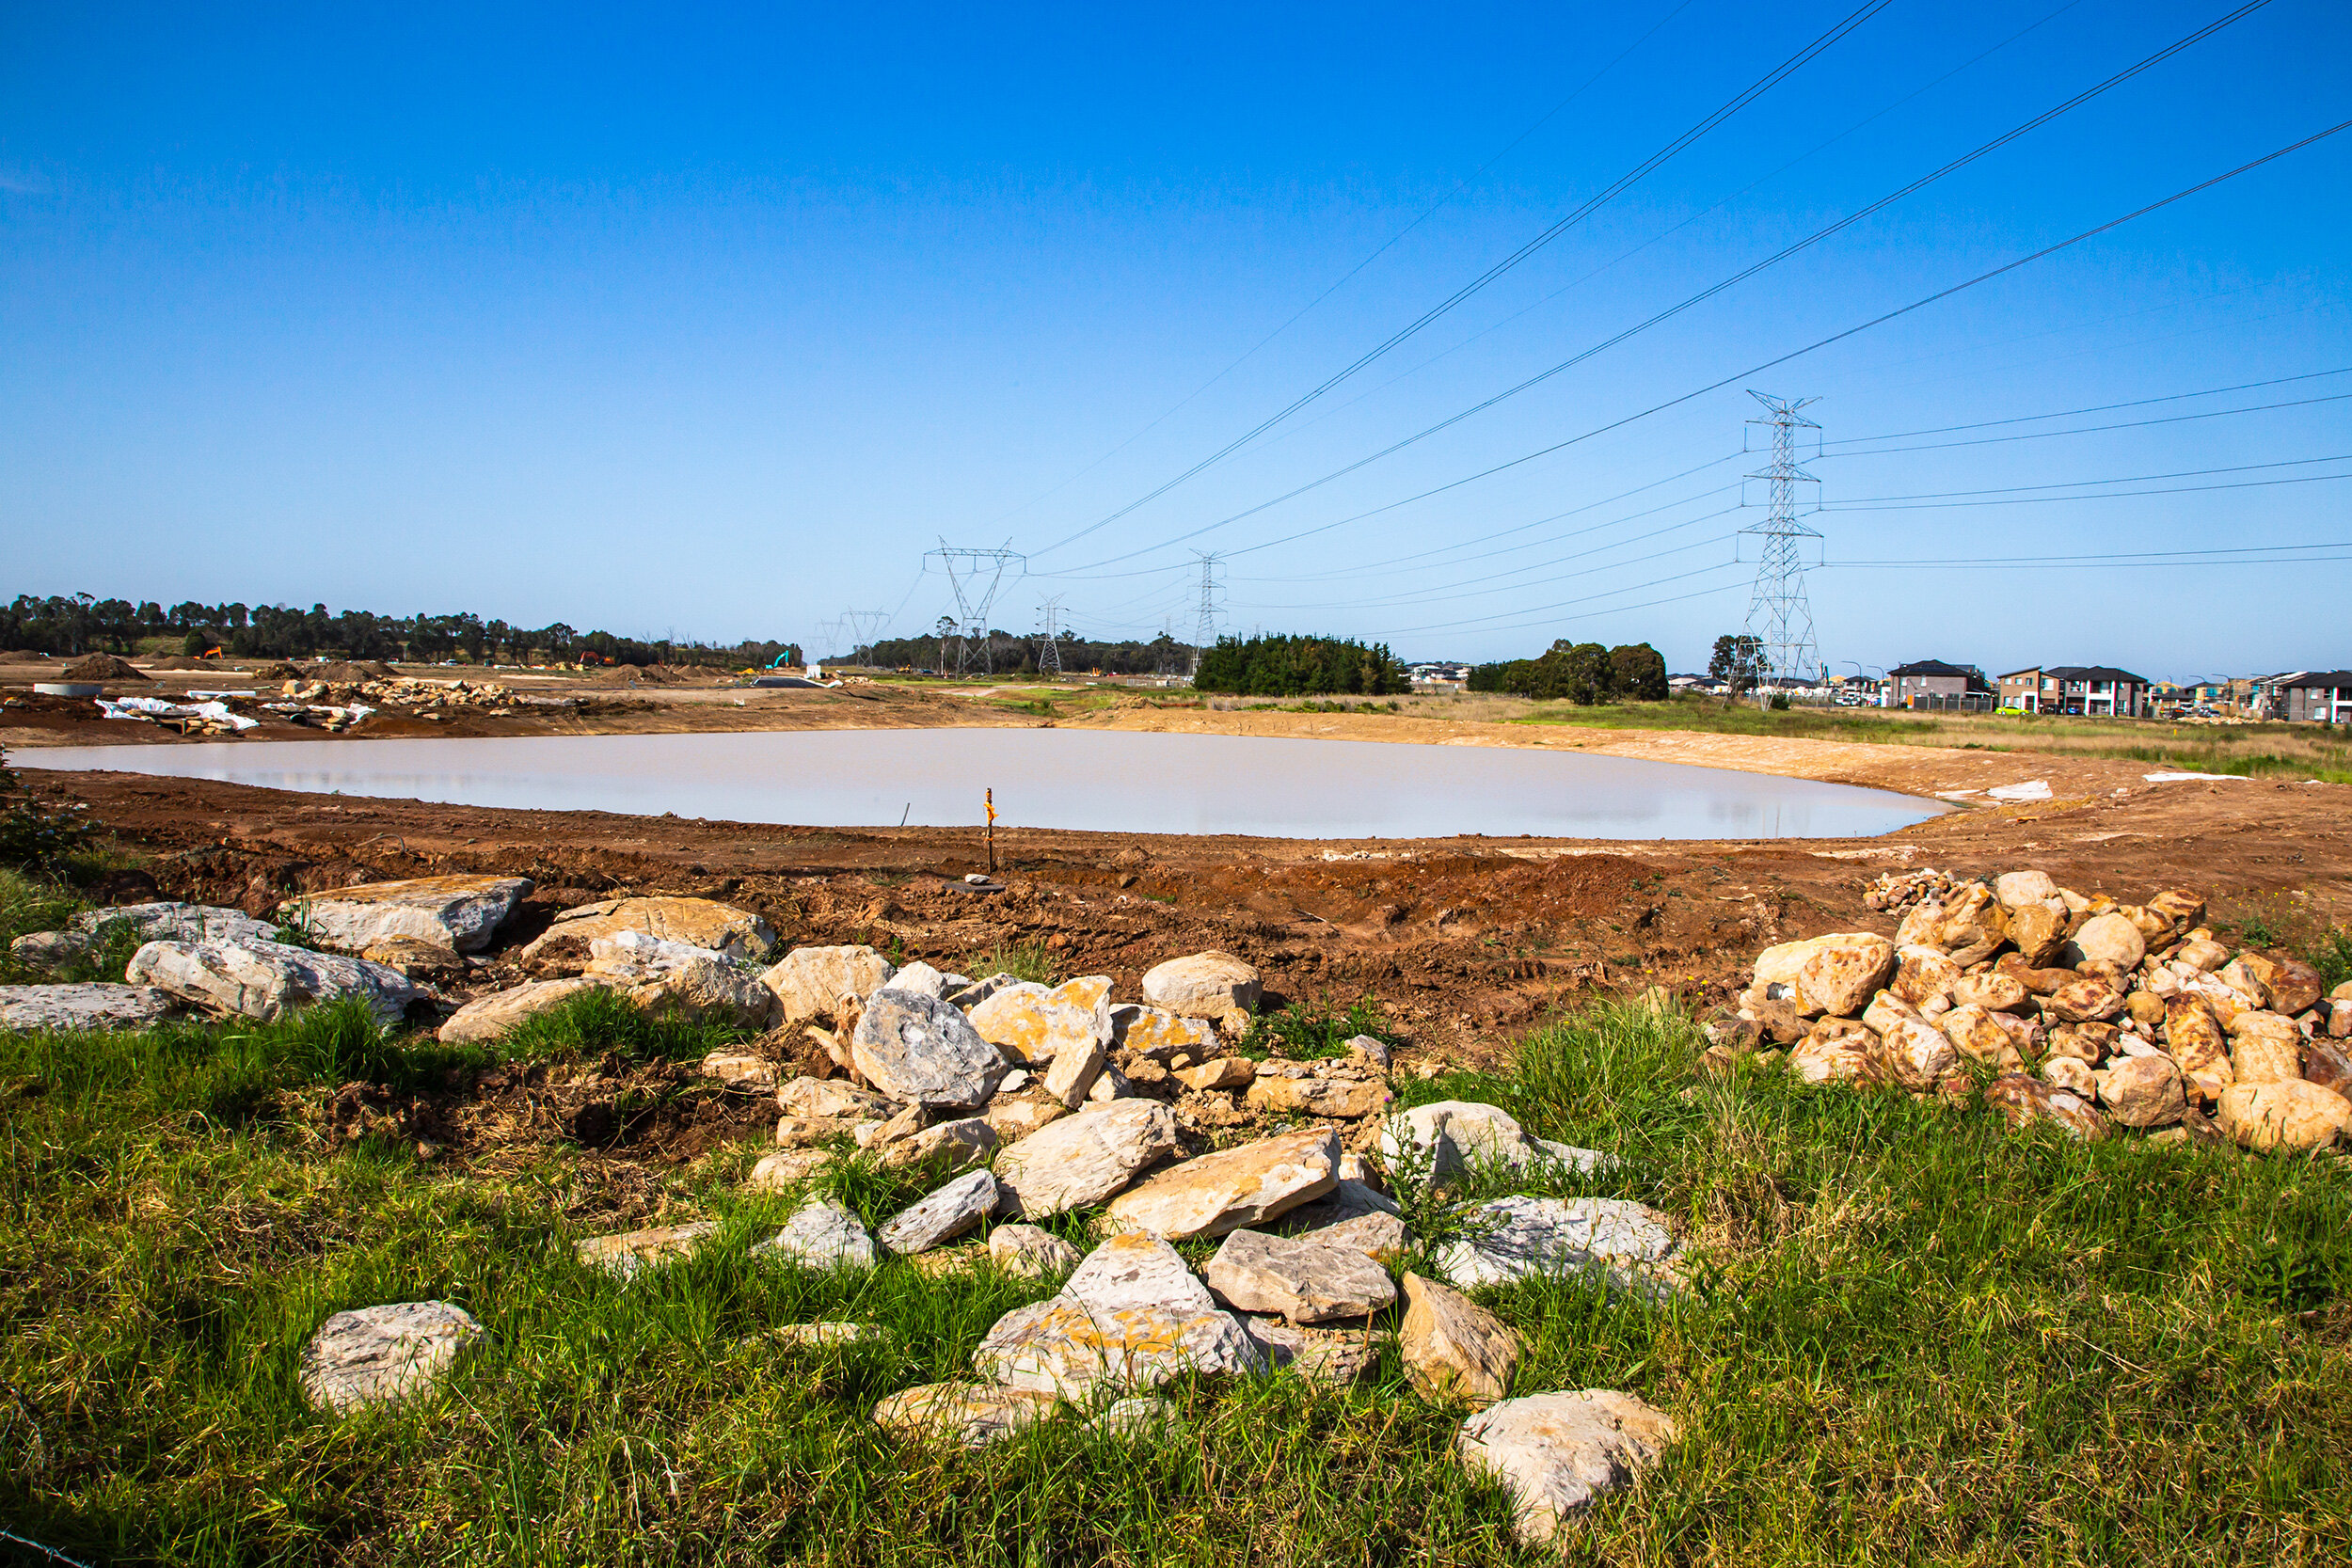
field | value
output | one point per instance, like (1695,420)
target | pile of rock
(2088,1013)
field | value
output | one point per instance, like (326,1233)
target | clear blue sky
(710,323)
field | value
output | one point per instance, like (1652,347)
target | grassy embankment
(1911,1337)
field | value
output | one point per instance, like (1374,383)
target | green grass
(1312,1031)
(1911,1337)
(1023,960)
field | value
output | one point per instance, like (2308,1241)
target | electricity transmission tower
(974,574)
(1204,635)
(1165,647)
(828,637)
(1779,616)
(1049,657)
(862,626)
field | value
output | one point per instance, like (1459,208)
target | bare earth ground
(1464,940)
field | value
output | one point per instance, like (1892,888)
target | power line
(2077,484)
(2101,408)
(2094,429)
(2116,496)
(2141,558)
(1592,204)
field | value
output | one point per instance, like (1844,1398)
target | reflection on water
(1103,782)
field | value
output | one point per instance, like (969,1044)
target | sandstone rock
(2038,932)
(415,957)
(2143,1091)
(1781,964)
(493,1017)
(2090,1044)
(2178,907)
(948,1145)
(2039,982)
(921,1051)
(181,923)
(1378,1235)
(1369,1051)
(1132,1316)
(1523,1237)
(971,1415)
(1158,1035)
(2071,1074)
(2263,1054)
(2328,1065)
(1923,977)
(459,913)
(2194,1039)
(1215,986)
(2340,1018)
(2016,890)
(1352,1198)
(45,951)
(376,1355)
(1070,1074)
(947,1213)
(1017,1117)
(2025,1101)
(2285,1113)
(1031,1252)
(1993,992)
(1841,978)
(2295,986)
(808,1132)
(1839,1050)
(742,1071)
(266,979)
(1979,1036)
(1301,1278)
(94,1005)
(1557,1452)
(1037,1026)
(2086,1001)
(1226,1072)
(1216,1193)
(2240,976)
(822,1235)
(1109,1085)
(1329,1356)
(1343,1098)
(809,981)
(832,1097)
(788,1169)
(2202,954)
(1452,1348)
(1083,1159)
(1915,1051)
(2111,938)
(632,1252)
(697,921)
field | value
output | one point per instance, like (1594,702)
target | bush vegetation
(1281,665)
(1580,672)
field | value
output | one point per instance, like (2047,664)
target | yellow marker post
(991,832)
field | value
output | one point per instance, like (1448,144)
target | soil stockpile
(102,667)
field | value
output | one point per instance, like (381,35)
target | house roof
(2028,669)
(1931,667)
(2094,672)
(2313,678)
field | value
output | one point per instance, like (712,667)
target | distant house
(1932,683)
(2089,688)
(2027,688)
(2306,696)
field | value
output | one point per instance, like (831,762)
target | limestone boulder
(1083,1159)
(1520,1237)
(1781,964)
(495,1016)
(2264,1047)
(1225,1073)
(1316,1094)
(1924,978)
(1160,1035)
(821,1235)
(1914,1053)
(926,979)
(1839,978)
(95,1005)
(744,1072)
(46,952)
(266,979)
(834,1097)
(2202,954)
(1213,1194)
(417,958)
(1129,1317)
(1071,1076)
(2288,1113)
(1980,1037)
(1029,1253)
(1839,1050)
(2017,889)
(378,1355)
(809,982)
(943,1146)
(968,1415)
(1455,1135)
(1557,1452)
(631,1252)
(810,1132)
(562,947)
(2087,1000)
(1991,990)
(1329,1356)
(1454,1349)
(1215,986)
(1304,1280)
(943,1215)
(181,923)
(2111,938)
(2025,1101)
(922,1050)
(1034,1026)
(788,1169)
(2143,1091)
(459,913)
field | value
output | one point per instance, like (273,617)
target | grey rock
(376,1355)
(1557,1452)
(1527,1236)
(266,979)
(632,1252)
(834,1096)
(95,1005)
(43,951)
(1131,1317)
(973,993)
(1216,1193)
(1083,1159)
(944,1215)
(972,1415)
(1305,1281)
(1137,1419)
(1031,1253)
(182,923)
(458,912)
(921,1051)
(1319,1355)
(920,978)
(823,1235)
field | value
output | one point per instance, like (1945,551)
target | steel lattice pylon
(1779,616)
(862,626)
(974,574)
(1049,657)
(1205,633)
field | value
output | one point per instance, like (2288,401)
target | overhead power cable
(2096,408)
(1752,371)
(1607,193)
(2110,495)
(2086,430)
(2263,555)
(1749,271)
(2077,484)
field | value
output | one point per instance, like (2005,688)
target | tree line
(1285,665)
(1005,653)
(80,624)
(1583,673)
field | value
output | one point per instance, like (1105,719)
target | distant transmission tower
(862,626)
(1779,617)
(1050,657)
(1204,635)
(1164,648)
(974,574)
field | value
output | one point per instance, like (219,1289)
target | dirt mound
(639,674)
(281,670)
(21,656)
(351,670)
(103,667)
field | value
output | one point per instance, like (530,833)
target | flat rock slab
(1216,1193)
(1303,1278)
(632,1252)
(1035,1025)
(834,1096)
(1159,1035)
(823,1235)
(266,979)
(1029,1253)
(375,1355)
(1083,1159)
(1375,1235)
(809,982)
(96,1005)
(1452,1136)
(1132,1316)
(972,1415)
(1557,1452)
(461,913)
(921,1051)
(697,921)
(496,1015)
(182,923)
(943,1215)
(1455,1349)
(1530,1236)
(1334,1356)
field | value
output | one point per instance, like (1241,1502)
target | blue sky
(709,322)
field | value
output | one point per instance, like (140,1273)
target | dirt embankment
(1466,941)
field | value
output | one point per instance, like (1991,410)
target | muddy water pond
(1103,782)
